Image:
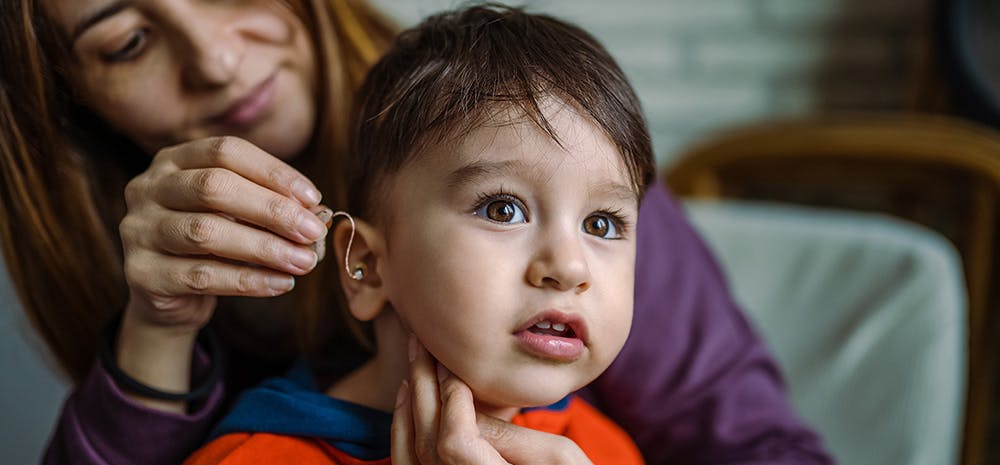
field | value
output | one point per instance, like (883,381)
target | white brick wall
(701,65)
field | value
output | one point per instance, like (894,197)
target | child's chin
(519,397)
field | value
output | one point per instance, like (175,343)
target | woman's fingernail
(305,191)
(305,260)
(401,394)
(280,283)
(326,216)
(311,227)
(412,348)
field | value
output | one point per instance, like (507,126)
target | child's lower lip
(557,348)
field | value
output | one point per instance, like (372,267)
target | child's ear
(363,287)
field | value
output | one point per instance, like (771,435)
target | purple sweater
(693,384)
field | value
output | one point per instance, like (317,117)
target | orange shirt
(602,440)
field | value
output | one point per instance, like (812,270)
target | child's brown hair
(456,70)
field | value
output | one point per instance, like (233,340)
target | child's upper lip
(572,320)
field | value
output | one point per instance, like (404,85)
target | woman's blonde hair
(64,173)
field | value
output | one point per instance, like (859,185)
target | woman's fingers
(213,234)
(165,275)
(426,403)
(458,412)
(525,446)
(443,415)
(249,161)
(459,441)
(435,422)
(401,445)
(221,190)
(325,216)
(212,217)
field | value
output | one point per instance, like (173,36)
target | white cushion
(866,315)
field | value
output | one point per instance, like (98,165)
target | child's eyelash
(483,198)
(618,216)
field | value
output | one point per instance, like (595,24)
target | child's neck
(377,381)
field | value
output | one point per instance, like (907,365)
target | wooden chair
(937,171)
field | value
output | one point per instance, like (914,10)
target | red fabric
(268,449)
(603,442)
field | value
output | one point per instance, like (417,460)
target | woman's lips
(554,335)
(249,108)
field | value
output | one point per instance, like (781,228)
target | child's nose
(560,264)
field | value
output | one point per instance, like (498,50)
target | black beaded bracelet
(109,361)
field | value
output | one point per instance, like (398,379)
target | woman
(119,198)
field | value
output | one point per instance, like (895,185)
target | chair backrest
(933,170)
(866,316)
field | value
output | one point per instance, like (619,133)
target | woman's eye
(132,48)
(601,226)
(502,211)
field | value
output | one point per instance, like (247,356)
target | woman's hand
(210,217)
(435,422)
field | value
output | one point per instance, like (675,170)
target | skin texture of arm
(694,383)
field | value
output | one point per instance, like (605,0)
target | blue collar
(294,406)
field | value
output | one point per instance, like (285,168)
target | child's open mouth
(554,335)
(546,327)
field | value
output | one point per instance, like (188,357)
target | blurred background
(700,65)
(841,159)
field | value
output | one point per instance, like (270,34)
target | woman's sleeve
(694,383)
(100,425)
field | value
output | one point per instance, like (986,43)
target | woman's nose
(561,264)
(216,53)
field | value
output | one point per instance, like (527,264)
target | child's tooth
(559,327)
(543,324)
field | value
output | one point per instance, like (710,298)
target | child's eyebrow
(616,190)
(481,169)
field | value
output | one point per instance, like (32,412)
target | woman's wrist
(156,357)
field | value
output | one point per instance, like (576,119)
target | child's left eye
(601,226)
(502,211)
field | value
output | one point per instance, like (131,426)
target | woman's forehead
(69,16)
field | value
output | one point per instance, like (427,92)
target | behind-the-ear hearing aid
(356,273)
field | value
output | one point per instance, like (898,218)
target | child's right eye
(502,210)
